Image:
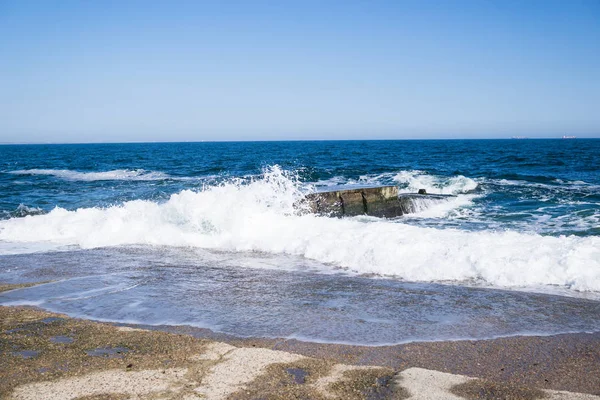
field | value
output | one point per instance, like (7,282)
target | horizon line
(568,137)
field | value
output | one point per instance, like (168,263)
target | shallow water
(256,298)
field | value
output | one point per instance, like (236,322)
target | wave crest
(117,174)
(260,216)
(412,181)
(22,211)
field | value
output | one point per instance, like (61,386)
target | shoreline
(52,353)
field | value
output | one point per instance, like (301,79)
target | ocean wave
(412,181)
(260,216)
(409,181)
(21,211)
(450,207)
(117,174)
(556,185)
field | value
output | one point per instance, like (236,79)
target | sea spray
(412,181)
(259,215)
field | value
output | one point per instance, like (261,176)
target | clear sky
(96,71)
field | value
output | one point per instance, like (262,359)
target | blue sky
(87,71)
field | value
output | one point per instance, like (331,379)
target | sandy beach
(52,356)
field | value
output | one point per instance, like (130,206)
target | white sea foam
(21,211)
(563,186)
(334,181)
(117,174)
(409,182)
(412,181)
(260,216)
(441,208)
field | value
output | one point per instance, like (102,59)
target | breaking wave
(412,181)
(21,211)
(409,182)
(260,216)
(117,174)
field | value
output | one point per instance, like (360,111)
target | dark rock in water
(379,202)
(327,203)
(353,202)
(383,201)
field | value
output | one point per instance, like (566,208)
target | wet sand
(46,355)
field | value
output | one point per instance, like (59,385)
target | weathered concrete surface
(160,365)
(378,202)
(383,201)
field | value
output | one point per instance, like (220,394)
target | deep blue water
(213,226)
(524,183)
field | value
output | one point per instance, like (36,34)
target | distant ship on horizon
(519,137)
(569,137)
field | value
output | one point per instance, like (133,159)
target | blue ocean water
(520,184)
(209,224)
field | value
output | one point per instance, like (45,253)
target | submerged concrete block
(383,201)
(326,203)
(353,202)
(379,202)
(379,205)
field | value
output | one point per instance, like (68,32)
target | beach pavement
(51,356)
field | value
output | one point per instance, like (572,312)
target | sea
(209,235)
